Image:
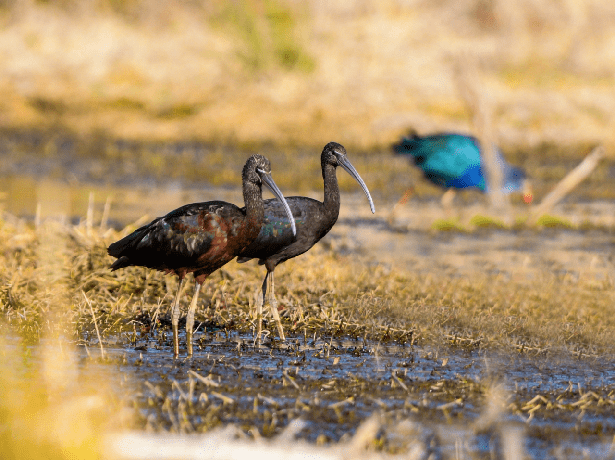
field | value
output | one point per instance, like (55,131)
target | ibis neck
(253,199)
(332,191)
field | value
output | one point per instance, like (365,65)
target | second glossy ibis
(275,242)
(199,238)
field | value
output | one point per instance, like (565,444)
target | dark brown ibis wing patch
(187,239)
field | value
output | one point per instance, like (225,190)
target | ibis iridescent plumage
(454,161)
(199,238)
(275,242)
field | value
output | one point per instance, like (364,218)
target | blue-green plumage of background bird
(452,160)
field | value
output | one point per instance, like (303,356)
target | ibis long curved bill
(268,181)
(344,163)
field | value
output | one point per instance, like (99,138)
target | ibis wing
(175,240)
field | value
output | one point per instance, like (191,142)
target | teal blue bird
(454,161)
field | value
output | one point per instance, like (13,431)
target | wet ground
(437,399)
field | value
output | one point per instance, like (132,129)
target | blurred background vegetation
(122,91)
(287,72)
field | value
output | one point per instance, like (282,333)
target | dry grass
(57,291)
(322,292)
(49,409)
(288,73)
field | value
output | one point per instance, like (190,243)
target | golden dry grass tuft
(48,407)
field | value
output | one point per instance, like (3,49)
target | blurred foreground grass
(49,408)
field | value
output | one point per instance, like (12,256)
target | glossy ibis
(453,161)
(199,238)
(275,243)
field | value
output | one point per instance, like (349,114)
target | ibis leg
(273,304)
(260,299)
(175,319)
(190,318)
(405,197)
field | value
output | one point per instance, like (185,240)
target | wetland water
(432,398)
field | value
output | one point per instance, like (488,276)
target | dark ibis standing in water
(199,238)
(275,242)
(454,161)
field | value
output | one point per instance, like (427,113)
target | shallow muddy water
(560,405)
